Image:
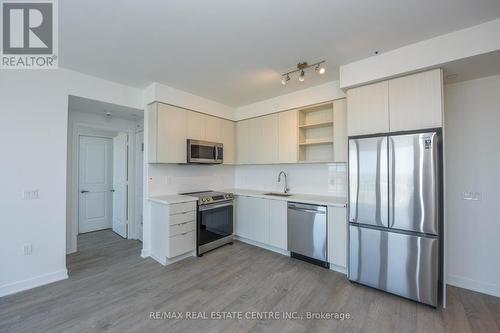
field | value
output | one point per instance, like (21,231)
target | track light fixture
(301,67)
(285,79)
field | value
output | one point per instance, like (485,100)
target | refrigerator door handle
(391,182)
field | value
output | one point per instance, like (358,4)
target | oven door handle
(215,206)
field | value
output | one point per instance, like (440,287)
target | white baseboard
(264,246)
(339,269)
(145,253)
(40,280)
(167,261)
(479,286)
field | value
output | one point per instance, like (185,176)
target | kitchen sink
(278,194)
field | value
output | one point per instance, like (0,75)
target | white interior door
(139,169)
(120,163)
(95,181)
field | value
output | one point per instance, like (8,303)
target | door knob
(84,191)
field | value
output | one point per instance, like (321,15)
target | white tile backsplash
(326,179)
(322,179)
(174,179)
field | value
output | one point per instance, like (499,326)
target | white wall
(472,118)
(318,94)
(321,178)
(433,52)
(33,140)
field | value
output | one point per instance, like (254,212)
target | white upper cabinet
(340,130)
(267,141)
(169,127)
(287,136)
(196,125)
(167,134)
(213,129)
(228,138)
(415,101)
(243,142)
(411,102)
(368,109)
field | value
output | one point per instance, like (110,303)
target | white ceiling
(234,51)
(80,104)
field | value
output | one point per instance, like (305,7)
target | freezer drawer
(414,184)
(401,264)
(368,181)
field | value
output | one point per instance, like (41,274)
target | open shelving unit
(316,133)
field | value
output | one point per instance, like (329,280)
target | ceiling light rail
(301,67)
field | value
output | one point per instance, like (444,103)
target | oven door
(215,221)
(203,152)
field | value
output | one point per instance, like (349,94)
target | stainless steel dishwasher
(307,233)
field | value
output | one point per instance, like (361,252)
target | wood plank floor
(112,289)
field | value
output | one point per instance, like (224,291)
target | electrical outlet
(28,249)
(30,195)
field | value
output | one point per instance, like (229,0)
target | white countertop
(295,197)
(172,199)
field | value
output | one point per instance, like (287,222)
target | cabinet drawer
(182,207)
(183,217)
(181,244)
(181,228)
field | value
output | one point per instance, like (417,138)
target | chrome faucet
(285,188)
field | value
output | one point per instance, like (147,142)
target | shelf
(317,125)
(316,142)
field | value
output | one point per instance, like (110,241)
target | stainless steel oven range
(214,220)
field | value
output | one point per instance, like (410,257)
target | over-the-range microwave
(204,152)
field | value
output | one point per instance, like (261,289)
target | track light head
(302,76)
(320,69)
(285,79)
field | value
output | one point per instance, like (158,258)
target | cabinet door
(171,134)
(242,141)
(288,137)
(337,236)
(340,130)
(416,101)
(368,109)
(260,220)
(244,212)
(228,135)
(213,129)
(278,223)
(254,136)
(195,125)
(268,139)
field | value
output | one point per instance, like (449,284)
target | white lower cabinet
(278,224)
(251,218)
(337,237)
(173,230)
(265,221)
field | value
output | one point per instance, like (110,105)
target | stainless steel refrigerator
(395,213)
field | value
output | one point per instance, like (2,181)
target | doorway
(104,170)
(103,184)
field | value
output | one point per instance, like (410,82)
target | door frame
(90,129)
